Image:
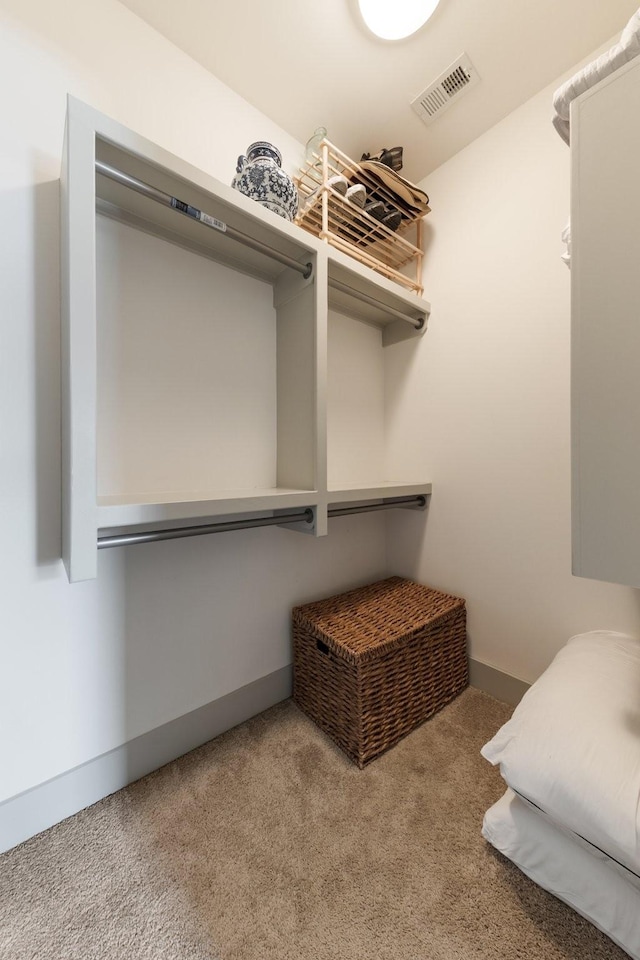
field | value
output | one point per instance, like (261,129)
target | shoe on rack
(338,183)
(392,218)
(375,209)
(391,157)
(357,194)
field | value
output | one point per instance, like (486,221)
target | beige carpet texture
(268,843)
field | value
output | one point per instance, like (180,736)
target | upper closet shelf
(239,233)
(118,176)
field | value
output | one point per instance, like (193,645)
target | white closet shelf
(216,199)
(385,489)
(135,509)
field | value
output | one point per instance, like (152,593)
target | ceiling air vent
(445,90)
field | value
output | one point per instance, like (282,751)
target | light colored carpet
(268,843)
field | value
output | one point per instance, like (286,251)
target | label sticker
(212,222)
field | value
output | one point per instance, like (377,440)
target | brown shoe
(375,209)
(392,218)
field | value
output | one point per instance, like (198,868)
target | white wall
(166,627)
(483,410)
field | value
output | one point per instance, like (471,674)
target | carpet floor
(268,843)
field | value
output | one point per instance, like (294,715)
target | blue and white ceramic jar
(260,176)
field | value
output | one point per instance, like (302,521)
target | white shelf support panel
(195,353)
(605,335)
(78,289)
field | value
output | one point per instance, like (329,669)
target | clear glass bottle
(313,144)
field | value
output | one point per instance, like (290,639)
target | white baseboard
(35,810)
(500,685)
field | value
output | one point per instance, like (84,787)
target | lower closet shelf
(125,524)
(347,492)
(134,509)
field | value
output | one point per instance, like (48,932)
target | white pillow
(584,879)
(572,745)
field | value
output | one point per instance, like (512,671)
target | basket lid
(362,624)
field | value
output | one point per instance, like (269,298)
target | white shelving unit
(196,385)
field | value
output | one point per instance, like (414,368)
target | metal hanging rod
(176,533)
(418,322)
(388,504)
(303,516)
(167,200)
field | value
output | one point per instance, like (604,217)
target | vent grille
(440,94)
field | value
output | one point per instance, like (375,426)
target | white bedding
(626,49)
(572,745)
(585,879)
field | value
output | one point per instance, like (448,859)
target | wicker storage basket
(372,664)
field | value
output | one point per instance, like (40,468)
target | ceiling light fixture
(397,20)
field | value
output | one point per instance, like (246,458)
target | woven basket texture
(373,663)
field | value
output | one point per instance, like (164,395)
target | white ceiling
(306,64)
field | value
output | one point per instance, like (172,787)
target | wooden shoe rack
(327,214)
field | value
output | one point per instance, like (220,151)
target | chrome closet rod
(175,533)
(419,501)
(305,516)
(418,323)
(168,201)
